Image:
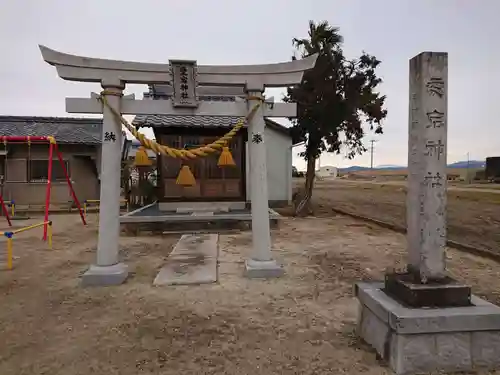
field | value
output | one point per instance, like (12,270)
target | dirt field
(403,172)
(478,188)
(473,215)
(302,323)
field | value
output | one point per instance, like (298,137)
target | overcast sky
(231,32)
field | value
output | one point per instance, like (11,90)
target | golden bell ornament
(142,158)
(185,177)
(225,158)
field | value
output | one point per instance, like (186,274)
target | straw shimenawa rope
(185,177)
(182,153)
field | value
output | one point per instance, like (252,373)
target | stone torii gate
(185,76)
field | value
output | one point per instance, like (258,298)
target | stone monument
(187,78)
(422,320)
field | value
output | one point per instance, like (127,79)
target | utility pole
(371,153)
(468,172)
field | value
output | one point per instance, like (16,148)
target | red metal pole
(47,194)
(70,185)
(5,211)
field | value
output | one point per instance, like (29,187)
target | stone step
(184,227)
(200,210)
(192,261)
(202,213)
(201,206)
(202,231)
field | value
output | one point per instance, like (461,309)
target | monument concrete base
(105,275)
(420,340)
(258,269)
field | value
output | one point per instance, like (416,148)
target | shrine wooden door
(213,183)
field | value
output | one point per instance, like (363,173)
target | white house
(327,171)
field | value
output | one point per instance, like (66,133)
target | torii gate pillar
(260,264)
(108,269)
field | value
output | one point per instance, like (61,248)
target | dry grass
(486,186)
(302,323)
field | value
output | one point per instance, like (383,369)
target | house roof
(159,92)
(64,129)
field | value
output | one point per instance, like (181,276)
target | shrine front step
(166,227)
(181,227)
(201,206)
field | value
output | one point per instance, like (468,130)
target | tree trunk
(303,208)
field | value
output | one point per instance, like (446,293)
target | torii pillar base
(105,275)
(262,269)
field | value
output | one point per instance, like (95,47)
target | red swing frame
(53,147)
(5,211)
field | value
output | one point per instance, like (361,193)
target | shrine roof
(158,121)
(65,129)
(220,94)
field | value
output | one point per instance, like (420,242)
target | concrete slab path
(192,261)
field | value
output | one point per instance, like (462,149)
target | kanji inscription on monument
(433,180)
(436,86)
(434,148)
(184,83)
(435,119)
(427,166)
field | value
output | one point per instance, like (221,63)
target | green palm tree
(334,99)
(326,41)
(323,39)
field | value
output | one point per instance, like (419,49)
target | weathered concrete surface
(202,213)
(192,261)
(202,210)
(415,341)
(259,269)
(200,206)
(427,149)
(105,275)
(109,212)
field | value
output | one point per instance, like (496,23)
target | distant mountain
(354,168)
(474,164)
(389,166)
